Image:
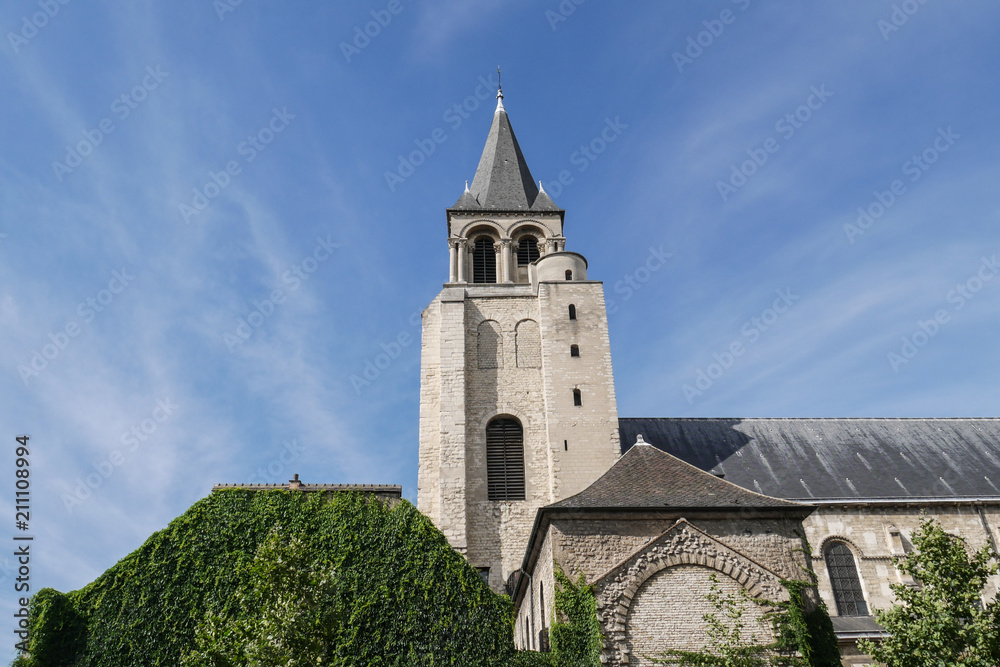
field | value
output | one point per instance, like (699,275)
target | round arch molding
(682,545)
(482,228)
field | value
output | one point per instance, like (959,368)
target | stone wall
(651,573)
(583,439)
(655,617)
(875,534)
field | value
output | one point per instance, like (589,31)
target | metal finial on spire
(499,94)
(466,186)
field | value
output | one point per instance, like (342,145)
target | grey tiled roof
(503,180)
(645,477)
(833,459)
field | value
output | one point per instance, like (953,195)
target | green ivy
(403,596)
(576,632)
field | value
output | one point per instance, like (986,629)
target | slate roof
(503,180)
(645,477)
(849,627)
(811,460)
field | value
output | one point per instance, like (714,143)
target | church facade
(526,466)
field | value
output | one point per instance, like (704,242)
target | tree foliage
(942,620)
(298,616)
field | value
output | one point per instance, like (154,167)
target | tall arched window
(484,261)
(527,250)
(504,459)
(572,312)
(844,580)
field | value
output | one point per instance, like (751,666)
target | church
(526,466)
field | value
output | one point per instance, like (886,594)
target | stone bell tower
(517,397)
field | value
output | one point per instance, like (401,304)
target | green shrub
(402,595)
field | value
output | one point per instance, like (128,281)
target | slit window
(505,459)
(845,581)
(484,261)
(574,350)
(577,397)
(527,250)
(572,312)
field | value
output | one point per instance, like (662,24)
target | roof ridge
(815,418)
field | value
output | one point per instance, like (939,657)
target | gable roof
(812,460)
(648,478)
(503,180)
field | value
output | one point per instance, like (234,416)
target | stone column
(505,254)
(501,265)
(462,248)
(452,260)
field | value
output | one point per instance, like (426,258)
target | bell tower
(517,397)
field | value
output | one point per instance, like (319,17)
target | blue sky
(169,169)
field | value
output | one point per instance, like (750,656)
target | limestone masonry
(526,467)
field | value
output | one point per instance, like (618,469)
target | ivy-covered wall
(404,596)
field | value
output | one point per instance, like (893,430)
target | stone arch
(489,344)
(858,553)
(528,228)
(721,563)
(504,411)
(482,228)
(682,544)
(528,344)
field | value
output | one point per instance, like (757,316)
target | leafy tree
(732,642)
(942,620)
(296,620)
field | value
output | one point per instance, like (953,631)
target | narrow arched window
(569,275)
(574,350)
(504,459)
(484,261)
(845,581)
(527,250)
(572,312)
(577,397)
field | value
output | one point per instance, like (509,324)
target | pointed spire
(503,180)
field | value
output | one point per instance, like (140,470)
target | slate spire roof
(503,180)
(646,478)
